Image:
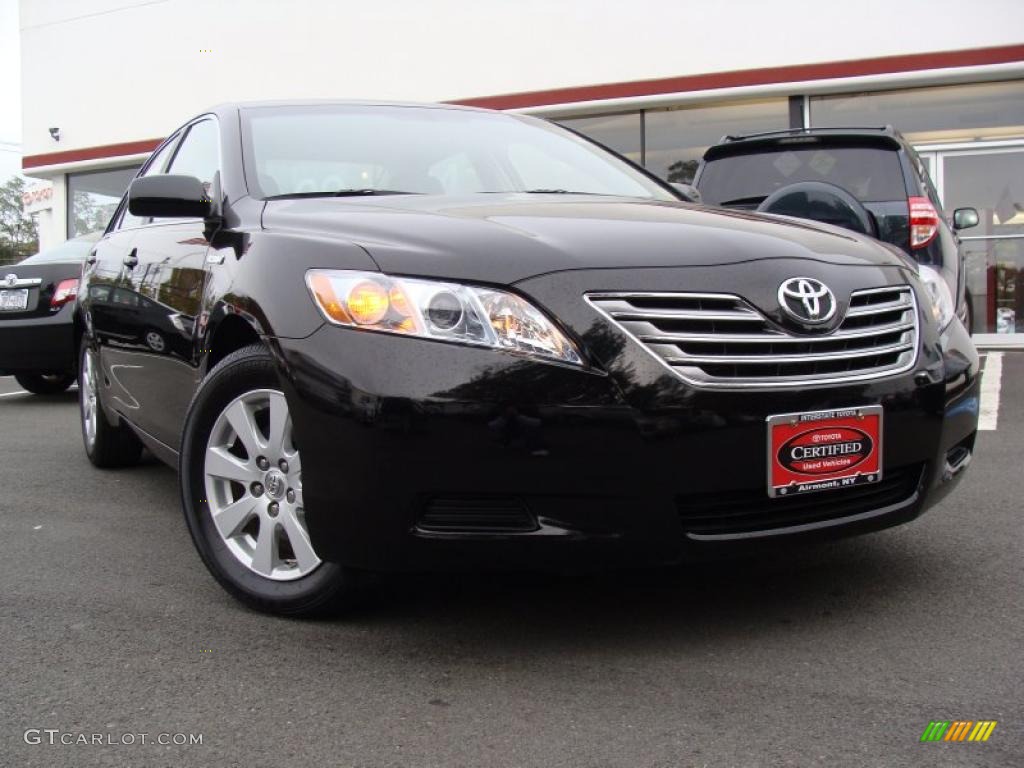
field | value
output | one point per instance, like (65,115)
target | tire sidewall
(233,377)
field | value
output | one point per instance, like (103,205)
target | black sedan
(417,337)
(37,299)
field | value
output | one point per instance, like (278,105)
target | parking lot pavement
(839,655)
(8,386)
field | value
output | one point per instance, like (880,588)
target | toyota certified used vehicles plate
(37,299)
(417,337)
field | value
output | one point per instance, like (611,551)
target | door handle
(91,259)
(132,259)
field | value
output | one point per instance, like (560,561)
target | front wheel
(45,383)
(241,489)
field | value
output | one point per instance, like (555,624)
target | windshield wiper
(554,191)
(564,192)
(339,193)
(745,200)
(369,191)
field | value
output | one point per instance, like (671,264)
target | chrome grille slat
(719,340)
(774,337)
(812,358)
(682,314)
(877,309)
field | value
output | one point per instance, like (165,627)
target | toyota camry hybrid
(377,337)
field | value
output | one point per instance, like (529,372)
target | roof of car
(234,106)
(880,136)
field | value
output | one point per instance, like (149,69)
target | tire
(106,446)
(45,383)
(240,475)
(155,341)
(821,201)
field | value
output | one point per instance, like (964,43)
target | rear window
(869,174)
(72,250)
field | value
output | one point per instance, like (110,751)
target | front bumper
(400,437)
(38,344)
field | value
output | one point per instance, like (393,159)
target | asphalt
(837,656)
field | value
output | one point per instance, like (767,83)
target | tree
(682,171)
(89,215)
(19,235)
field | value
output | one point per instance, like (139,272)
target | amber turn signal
(327,299)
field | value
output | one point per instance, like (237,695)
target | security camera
(55,134)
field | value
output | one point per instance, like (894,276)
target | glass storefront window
(995,281)
(93,197)
(940,113)
(993,182)
(621,133)
(677,138)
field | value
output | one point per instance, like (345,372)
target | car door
(166,270)
(105,270)
(109,306)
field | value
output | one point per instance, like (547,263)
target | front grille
(719,340)
(737,512)
(478,514)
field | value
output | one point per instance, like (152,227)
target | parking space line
(991,382)
(11,394)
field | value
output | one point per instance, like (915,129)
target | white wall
(10,92)
(109,71)
(10,161)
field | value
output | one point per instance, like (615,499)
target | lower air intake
(457,514)
(739,512)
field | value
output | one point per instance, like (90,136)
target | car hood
(505,238)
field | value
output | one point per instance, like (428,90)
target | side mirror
(169,196)
(688,192)
(965,218)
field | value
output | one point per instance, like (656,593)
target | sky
(10,90)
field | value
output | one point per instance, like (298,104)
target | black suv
(869,180)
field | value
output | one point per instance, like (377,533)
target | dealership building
(103,81)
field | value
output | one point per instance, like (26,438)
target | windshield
(869,174)
(422,150)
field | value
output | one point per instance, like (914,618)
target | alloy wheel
(252,475)
(87,390)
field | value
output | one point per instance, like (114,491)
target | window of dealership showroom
(970,136)
(93,196)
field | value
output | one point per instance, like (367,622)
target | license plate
(824,450)
(14,300)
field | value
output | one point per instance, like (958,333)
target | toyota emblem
(11,280)
(807,300)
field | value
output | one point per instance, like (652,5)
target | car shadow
(810,589)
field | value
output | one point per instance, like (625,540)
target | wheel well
(232,333)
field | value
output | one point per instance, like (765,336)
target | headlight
(434,310)
(942,305)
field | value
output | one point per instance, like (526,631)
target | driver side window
(155,166)
(199,153)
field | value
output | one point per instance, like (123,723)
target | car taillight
(66,291)
(924,222)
